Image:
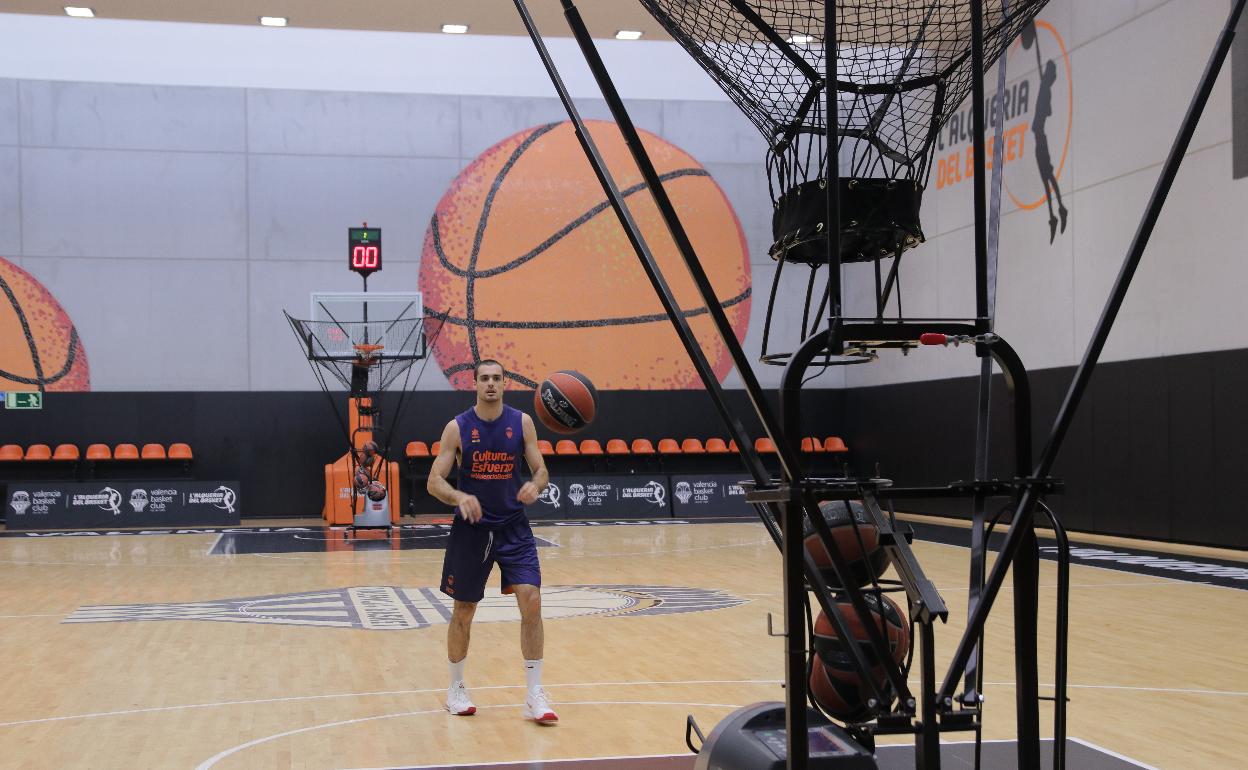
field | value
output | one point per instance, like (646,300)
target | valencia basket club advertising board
(120,504)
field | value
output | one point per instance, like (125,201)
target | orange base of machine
(338,493)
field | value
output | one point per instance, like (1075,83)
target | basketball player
(486,443)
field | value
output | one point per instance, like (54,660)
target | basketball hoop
(367,355)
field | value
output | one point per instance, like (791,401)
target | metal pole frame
(1021,532)
(1028,499)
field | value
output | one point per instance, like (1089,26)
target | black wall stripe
(1158,449)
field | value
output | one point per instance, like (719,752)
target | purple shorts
(472,551)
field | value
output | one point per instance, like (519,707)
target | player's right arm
(439,487)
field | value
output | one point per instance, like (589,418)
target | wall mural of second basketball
(39,346)
(526,255)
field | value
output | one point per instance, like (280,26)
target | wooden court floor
(283,659)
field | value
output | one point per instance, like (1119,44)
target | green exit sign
(23,399)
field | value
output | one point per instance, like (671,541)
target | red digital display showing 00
(364,249)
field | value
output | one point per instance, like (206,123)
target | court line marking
(1177,690)
(524,762)
(1171,580)
(372,555)
(48,615)
(943,589)
(893,746)
(250,744)
(1111,753)
(379,693)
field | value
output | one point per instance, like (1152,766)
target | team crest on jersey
(509,432)
(392,608)
(476,436)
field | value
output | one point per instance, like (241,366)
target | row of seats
(69,452)
(642,446)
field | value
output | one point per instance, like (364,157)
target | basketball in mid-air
(566,402)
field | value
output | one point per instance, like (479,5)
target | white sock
(457,671)
(533,673)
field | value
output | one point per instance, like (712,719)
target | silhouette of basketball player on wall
(1044,109)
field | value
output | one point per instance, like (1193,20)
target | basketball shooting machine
(365,341)
(876,81)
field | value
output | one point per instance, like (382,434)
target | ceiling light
(801,39)
(272,21)
(455,29)
(79,13)
(628,34)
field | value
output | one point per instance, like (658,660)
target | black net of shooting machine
(903,68)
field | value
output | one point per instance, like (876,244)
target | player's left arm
(532,489)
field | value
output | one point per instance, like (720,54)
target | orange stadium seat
(125,452)
(732,446)
(38,452)
(10,452)
(417,449)
(179,452)
(617,446)
(642,446)
(692,446)
(590,446)
(716,446)
(435,448)
(99,452)
(545,447)
(764,445)
(808,445)
(834,444)
(152,452)
(668,446)
(65,452)
(566,446)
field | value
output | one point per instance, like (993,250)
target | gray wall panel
(112,203)
(746,188)
(713,132)
(315,123)
(132,117)
(487,121)
(10,203)
(135,320)
(1129,101)
(8,111)
(301,205)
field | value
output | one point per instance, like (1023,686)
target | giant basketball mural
(529,261)
(39,346)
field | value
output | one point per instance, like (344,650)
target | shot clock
(364,249)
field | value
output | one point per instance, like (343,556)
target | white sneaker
(537,707)
(458,702)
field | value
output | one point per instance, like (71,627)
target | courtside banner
(709,495)
(632,496)
(117,504)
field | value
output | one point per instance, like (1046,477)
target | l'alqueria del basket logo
(392,608)
(1037,111)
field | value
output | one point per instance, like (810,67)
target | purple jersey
(489,464)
